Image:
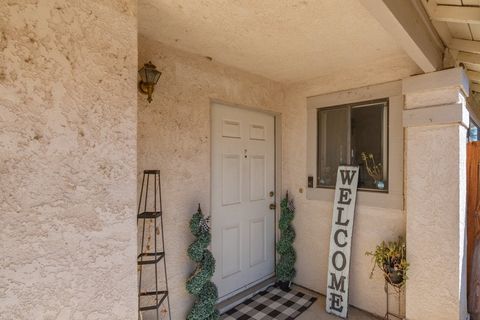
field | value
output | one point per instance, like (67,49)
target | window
(354,134)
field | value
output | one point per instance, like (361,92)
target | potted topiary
(199,283)
(391,259)
(286,264)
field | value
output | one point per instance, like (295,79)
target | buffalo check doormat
(272,303)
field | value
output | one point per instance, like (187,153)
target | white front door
(243,187)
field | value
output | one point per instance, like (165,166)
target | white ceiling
(284,40)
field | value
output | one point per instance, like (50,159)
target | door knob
(273,206)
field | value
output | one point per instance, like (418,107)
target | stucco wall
(436,116)
(174,136)
(439,213)
(68,159)
(313,218)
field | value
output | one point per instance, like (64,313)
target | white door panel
(243,168)
(257,242)
(231,179)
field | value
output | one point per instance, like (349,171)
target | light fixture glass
(149,76)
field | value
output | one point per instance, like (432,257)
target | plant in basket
(391,258)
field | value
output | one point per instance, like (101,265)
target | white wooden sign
(341,240)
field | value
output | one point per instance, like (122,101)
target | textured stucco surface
(68,159)
(436,207)
(174,136)
(436,222)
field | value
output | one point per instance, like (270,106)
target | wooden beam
(465,45)
(475,87)
(410,28)
(441,27)
(467,57)
(473,76)
(457,14)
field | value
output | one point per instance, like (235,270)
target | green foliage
(286,264)
(204,308)
(197,248)
(202,274)
(391,259)
(199,283)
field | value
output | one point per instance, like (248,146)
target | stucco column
(436,122)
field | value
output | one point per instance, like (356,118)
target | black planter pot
(284,285)
(395,278)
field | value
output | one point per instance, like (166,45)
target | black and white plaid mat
(272,303)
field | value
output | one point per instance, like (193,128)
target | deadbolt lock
(271,194)
(273,206)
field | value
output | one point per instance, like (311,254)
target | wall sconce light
(149,76)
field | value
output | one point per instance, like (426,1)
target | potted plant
(391,259)
(286,264)
(199,283)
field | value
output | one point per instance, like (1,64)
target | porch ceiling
(284,40)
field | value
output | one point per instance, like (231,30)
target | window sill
(365,197)
(359,189)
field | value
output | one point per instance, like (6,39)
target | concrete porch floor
(317,310)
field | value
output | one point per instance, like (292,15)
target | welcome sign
(341,240)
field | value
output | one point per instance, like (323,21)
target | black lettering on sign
(341,240)
(345,196)
(339,217)
(334,260)
(335,302)
(347,176)
(337,285)
(335,237)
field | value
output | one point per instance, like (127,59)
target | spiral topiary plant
(286,264)
(199,284)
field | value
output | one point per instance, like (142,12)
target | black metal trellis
(148,214)
(398,292)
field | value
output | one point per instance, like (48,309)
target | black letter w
(347,175)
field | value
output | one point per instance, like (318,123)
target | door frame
(277,118)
